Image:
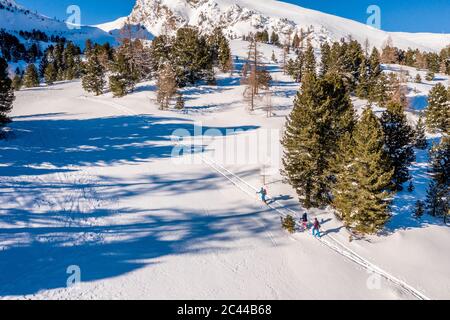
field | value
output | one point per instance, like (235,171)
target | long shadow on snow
(41,260)
(99,141)
(42,245)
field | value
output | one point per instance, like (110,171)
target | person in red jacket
(316,228)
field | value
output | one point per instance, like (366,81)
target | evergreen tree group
(6,93)
(94,76)
(11,49)
(322,114)
(31,76)
(191,55)
(329,160)
(123,76)
(60,62)
(364,176)
(432,61)
(17,80)
(438,194)
(398,142)
(438,110)
(420,138)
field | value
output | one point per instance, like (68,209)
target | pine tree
(180,102)
(325,61)
(274,57)
(70,68)
(296,41)
(375,83)
(274,38)
(88,47)
(379,91)
(6,93)
(363,86)
(17,80)
(399,140)
(433,202)
(418,78)
(58,60)
(295,68)
(191,57)
(123,79)
(335,59)
(322,114)
(361,194)
(438,194)
(161,52)
(167,86)
(419,209)
(438,110)
(410,58)
(430,76)
(31,77)
(309,65)
(225,55)
(420,135)
(50,74)
(375,63)
(351,61)
(94,76)
(286,52)
(44,62)
(218,47)
(411,186)
(288,224)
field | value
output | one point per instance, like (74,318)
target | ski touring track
(327,240)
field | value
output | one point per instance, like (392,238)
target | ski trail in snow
(334,244)
(115,105)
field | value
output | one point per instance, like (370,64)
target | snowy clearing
(91,182)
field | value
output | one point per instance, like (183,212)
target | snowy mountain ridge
(239,17)
(15,18)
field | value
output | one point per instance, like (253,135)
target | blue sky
(397,15)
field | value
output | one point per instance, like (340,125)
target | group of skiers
(304,221)
(316,225)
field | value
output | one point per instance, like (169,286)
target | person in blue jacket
(263,193)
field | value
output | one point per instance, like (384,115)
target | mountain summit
(15,17)
(239,17)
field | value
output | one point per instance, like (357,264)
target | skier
(263,193)
(316,229)
(305,221)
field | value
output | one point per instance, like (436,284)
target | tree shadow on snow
(50,224)
(403,206)
(42,254)
(59,144)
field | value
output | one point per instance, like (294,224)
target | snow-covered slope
(14,18)
(114,28)
(239,17)
(113,25)
(94,182)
